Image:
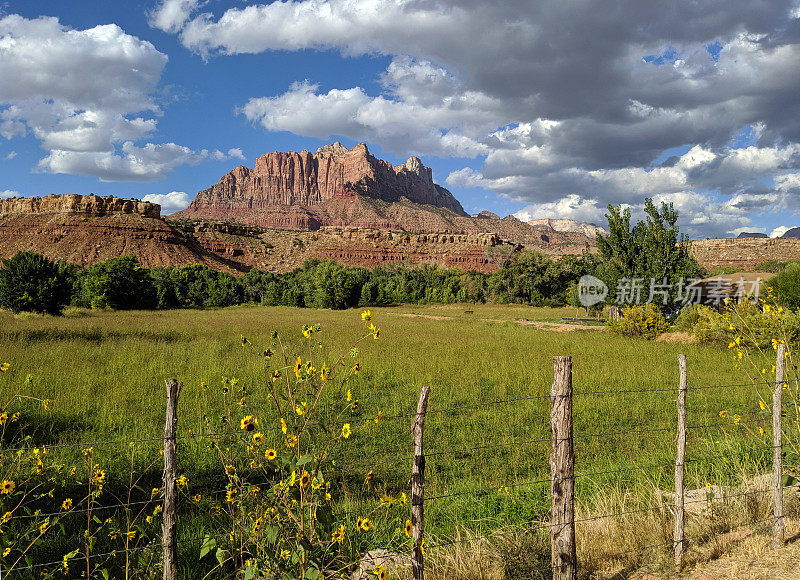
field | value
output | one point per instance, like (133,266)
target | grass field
(104,372)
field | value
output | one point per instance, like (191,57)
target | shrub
(786,286)
(641,321)
(691,315)
(747,324)
(774,266)
(31,283)
(744,324)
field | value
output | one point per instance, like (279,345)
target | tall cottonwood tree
(651,249)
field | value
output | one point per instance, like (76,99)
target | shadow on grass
(41,430)
(95,335)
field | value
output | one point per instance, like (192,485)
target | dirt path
(553,326)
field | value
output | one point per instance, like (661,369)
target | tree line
(32,282)
(649,249)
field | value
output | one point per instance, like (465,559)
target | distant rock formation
(308,190)
(350,188)
(792,233)
(743,253)
(78,204)
(752,235)
(569,225)
(85,229)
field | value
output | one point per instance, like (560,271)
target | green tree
(164,287)
(223,290)
(650,250)
(786,286)
(190,285)
(119,283)
(30,282)
(331,285)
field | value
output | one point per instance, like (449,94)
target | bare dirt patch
(552,326)
(681,337)
(426,316)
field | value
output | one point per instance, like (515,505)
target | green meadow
(104,373)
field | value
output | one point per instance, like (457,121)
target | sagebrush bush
(641,321)
(786,286)
(691,315)
(752,323)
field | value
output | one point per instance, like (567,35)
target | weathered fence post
(680,542)
(418,486)
(778,526)
(563,554)
(169,525)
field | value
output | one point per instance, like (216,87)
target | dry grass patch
(730,540)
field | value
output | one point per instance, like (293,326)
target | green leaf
(221,556)
(209,544)
(105,574)
(270,534)
(312,574)
(250,573)
(304,459)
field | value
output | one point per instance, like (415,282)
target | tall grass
(105,371)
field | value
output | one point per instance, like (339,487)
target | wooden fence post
(169,521)
(563,554)
(778,525)
(418,486)
(680,542)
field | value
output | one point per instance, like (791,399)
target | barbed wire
(151,544)
(84,510)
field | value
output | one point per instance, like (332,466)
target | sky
(526,107)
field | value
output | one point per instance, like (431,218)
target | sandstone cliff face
(86,229)
(291,189)
(284,250)
(743,253)
(78,204)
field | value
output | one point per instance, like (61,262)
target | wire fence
(665,506)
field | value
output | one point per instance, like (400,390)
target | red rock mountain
(84,229)
(308,190)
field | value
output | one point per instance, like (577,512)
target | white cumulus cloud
(572,207)
(87,96)
(560,99)
(169,202)
(236,153)
(171,15)
(778,232)
(7,193)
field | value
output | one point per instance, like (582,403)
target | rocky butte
(308,190)
(351,188)
(84,229)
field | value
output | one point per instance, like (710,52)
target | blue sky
(540,109)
